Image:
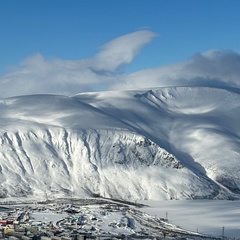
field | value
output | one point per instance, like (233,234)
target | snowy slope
(165,143)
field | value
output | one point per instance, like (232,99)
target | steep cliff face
(170,143)
(106,162)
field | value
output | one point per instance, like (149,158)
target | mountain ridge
(182,141)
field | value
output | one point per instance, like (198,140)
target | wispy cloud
(36,74)
(121,51)
(211,68)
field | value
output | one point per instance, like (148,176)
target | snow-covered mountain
(164,143)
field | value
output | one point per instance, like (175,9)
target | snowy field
(204,216)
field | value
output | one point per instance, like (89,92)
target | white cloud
(211,68)
(37,74)
(121,51)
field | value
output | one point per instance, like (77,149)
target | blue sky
(173,32)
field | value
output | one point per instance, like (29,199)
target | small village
(78,219)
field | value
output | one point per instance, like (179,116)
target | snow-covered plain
(154,144)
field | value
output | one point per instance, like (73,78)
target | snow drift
(164,143)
